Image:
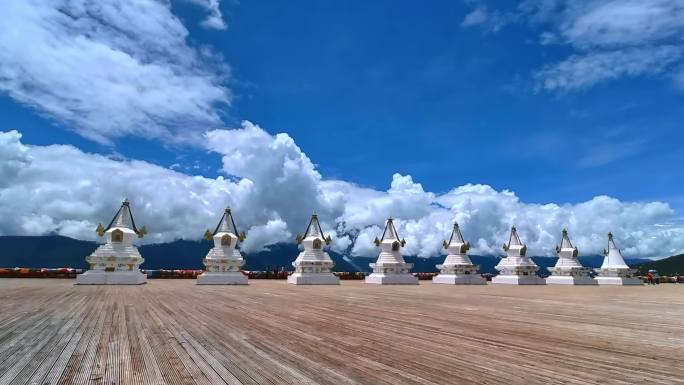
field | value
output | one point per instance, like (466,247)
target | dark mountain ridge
(673,265)
(54,251)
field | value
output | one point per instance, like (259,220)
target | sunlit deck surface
(174,332)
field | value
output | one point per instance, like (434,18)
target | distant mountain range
(59,251)
(666,266)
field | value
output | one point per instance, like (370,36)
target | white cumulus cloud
(110,68)
(274,231)
(285,183)
(60,189)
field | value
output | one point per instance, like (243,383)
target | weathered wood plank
(31,356)
(50,369)
(77,369)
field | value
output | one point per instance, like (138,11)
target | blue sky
(368,89)
(557,102)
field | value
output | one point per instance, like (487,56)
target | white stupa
(457,267)
(390,268)
(224,261)
(614,270)
(568,270)
(117,262)
(517,268)
(313,265)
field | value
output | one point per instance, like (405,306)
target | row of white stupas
(118,261)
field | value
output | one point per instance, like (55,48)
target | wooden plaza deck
(174,332)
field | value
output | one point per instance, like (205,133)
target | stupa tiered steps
(271,332)
(224,261)
(614,270)
(568,269)
(117,261)
(313,266)
(390,267)
(457,268)
(517,268)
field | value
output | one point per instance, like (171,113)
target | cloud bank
(273,187)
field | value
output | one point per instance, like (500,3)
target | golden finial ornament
(208,235)
(141,232)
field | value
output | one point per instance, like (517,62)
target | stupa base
(313,279)
(221,278)
(569,280)
(618,281)
(97,277)
(518,280)
(392,279)
(459,279)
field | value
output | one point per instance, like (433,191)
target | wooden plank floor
(174,332)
